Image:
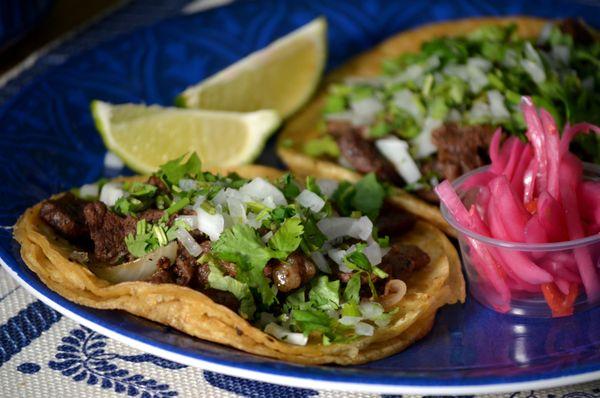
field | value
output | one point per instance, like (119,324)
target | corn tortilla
(304,125)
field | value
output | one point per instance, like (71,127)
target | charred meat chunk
(65,215)
(360,152)
(159,184)
(461,148)
(185,267)
(393,222)
(578,29)
(402,260)
(163,272)
(224,298)
(108,232)
(293,273)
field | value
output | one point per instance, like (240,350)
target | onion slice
(394,291)
(136,270)
(285,335)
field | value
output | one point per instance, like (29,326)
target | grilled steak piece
(402,260)
(393,222)
(65,215)
(163,272)
(293,272)
(108,232)
(361,153)
(159,184)
(461,148)
(578,29)
(224,298)
(185,267)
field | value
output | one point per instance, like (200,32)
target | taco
(315,273)
(423,105)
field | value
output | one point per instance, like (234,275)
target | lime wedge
(282,76)
(148,136)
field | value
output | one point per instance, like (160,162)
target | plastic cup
(513,297)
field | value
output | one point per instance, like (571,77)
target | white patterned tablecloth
(44,354)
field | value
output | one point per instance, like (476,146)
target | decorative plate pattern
(49,144)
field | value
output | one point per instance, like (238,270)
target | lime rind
(315,32)
(257,126)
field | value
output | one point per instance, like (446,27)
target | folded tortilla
(191,312)
(304,125)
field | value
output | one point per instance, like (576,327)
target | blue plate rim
(292,376)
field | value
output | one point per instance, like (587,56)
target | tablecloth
(44,354)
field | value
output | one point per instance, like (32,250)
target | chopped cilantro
(289,187)
(242,246)
(352,289)
(325,295)
(180,204)
(311,185)
(287,238)
(324,146)
(139,189)
(174,170)
(369,196)
(217,280)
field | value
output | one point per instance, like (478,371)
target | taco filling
(292,259)
(431,115)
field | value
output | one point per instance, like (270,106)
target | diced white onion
(364,329)
(497,107)
(321,262)
(413,72)
(137,270)
(480,110)
(533,64)
(350,320)
(408,101)
(220,198)
(89,191)
(192,221)
(453,115)
(113,162)
(477,79)
(187,184)
(188,242)
(252,221)
(370,309)
(310,200)
(561,53)
(373,253)
(327,186)
(396,151)
(534,70)
(260,189)
(269,202)
(285,335)
(211,224)
(237,210)
(336,227)
(365,110)
(198,201)
(423,142)
(394,291)
(111,192)
(266,237)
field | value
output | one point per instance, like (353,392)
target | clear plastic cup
(560,258)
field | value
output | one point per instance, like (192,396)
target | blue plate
(49,144)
